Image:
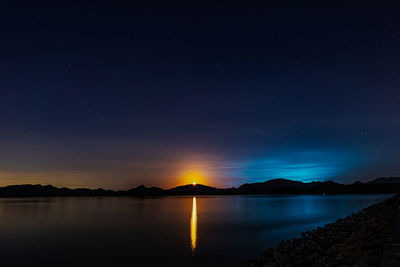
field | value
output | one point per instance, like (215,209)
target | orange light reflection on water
(193,226)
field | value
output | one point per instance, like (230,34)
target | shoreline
(386,185)
(356,240)
(189,195)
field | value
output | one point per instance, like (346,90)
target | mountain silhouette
(385,180)
(199,189)
(271,187)
(142,190)
(29,190)
(275,186)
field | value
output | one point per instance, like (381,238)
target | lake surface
(182,231)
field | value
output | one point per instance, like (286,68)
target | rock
(356,240)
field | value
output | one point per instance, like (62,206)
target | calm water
(201,231)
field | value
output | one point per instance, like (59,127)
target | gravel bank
(357,240)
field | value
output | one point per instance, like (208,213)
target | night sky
(108,95)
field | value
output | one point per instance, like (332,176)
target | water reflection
(193,226)
(111,231)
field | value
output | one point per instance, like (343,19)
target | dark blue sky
(113,95)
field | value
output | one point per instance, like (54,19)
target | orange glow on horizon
(193,177)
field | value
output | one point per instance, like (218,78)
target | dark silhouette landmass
(142,190)
(270,187)
(199,189)
(385,180)
(29,190)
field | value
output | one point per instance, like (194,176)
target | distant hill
(142,190)
(275,186)
(272,187)
(199,189)
(385,180)
(283,186)
(29,190)
(193,189)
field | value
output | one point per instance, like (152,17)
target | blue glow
(305,166)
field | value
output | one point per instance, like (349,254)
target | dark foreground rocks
(357,240)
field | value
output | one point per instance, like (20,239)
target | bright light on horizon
(193,177)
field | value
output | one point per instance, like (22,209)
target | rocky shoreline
(357,240)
